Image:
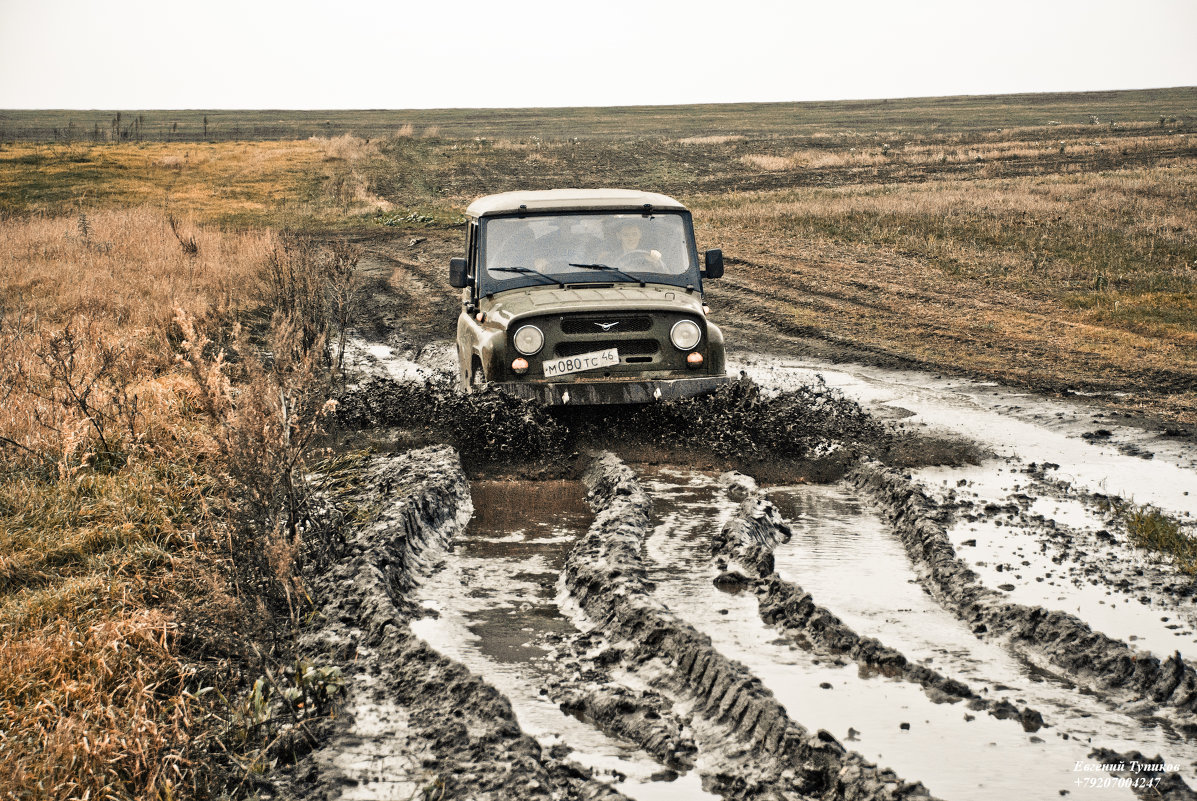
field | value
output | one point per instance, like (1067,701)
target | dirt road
(626,619)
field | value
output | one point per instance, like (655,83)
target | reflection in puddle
(956,753)
(496,603)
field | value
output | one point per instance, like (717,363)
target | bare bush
(315,286)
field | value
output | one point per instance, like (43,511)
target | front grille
(590,324)
(627,347)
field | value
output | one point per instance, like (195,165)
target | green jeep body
(603,288)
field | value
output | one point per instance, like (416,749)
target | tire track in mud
(1046,542)
(750,538)
(772,756)
(405,697)
(1166,689)
(921,735)
(496,609)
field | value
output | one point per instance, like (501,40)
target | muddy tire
(477,376)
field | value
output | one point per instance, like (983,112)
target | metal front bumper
(595,393)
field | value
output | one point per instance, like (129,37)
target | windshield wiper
(610,269)
(527,271)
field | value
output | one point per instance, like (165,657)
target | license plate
(583,361)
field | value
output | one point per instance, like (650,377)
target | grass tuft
(1153,530)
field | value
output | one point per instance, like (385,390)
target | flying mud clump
(486,424)
(739,421)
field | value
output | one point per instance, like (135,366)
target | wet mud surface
(828,581)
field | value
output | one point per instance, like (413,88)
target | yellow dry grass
(1085,279)
(711,140)
(245,183)
(100,548)
(348,182)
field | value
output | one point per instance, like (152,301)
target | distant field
(941,115)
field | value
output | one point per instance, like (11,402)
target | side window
(472,255)
(472,248)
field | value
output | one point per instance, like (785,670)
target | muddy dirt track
(834,580)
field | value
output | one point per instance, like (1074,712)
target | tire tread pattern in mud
(1069,643)
(777,758)
(468,726)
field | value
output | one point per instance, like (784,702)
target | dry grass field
(146,572)
(1042,241)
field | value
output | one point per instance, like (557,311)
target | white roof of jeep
(570,200)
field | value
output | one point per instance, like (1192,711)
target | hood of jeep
(507,306)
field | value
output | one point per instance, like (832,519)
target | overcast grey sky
(428,54)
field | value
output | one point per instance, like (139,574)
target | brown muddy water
(496,607)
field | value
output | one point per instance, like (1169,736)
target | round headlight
(528,340)
(685,334)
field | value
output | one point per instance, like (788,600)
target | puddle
(1013,425)
(1064,565)
(890,722)
(846,557)
(496,603)
(366,359)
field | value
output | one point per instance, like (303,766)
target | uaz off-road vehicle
(586,296)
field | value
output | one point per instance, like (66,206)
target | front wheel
(477,376)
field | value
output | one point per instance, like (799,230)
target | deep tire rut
(776,757)
(1165,688)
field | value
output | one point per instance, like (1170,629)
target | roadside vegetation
(162,385)
(1152,530)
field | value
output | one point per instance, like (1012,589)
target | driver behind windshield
(625,249)
(567,244)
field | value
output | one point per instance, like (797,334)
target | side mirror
(458,273)
(714,260)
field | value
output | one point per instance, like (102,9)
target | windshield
(586,248)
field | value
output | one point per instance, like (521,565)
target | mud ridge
(467,730)
(645,717)
(748,539)
(776,757)
(1067,642)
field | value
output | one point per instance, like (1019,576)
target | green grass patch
(1153,530)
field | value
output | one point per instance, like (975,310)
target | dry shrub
(405,131)
(266,414)
(151,509)
(267,405)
